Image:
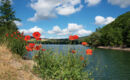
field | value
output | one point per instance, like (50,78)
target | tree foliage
(7,15)
(116,33)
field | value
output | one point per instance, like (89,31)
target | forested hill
(115,34)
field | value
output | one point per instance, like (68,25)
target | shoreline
(114,48)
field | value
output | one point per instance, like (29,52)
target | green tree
(7,15)
(94,39)
(128,38)
(116,33)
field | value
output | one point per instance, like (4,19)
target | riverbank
(13,67)
(114,48)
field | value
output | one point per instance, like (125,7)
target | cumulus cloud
(67,10)
(56,29)
(31,30)
(18,23)
(92,2)
(46,9)
(64,32)
(83,32)
(72,28)
(57,37)
(121,3)
(100,20)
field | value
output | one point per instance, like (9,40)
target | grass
(16,46)
(56,66)
(13,67)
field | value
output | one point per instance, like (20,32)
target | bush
(57,66)
(15,45)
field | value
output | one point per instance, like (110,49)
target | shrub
(14,43)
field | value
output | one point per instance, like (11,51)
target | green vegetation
(59,41)
(116,34)
(56,41)
(58,66)
(7,26)
(7,15)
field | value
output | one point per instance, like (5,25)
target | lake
(105,64)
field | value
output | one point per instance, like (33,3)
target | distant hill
(116,33)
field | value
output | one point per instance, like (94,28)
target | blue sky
(61,18)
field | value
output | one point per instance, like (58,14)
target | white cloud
(67,10)
(109,20)
(57,37)
(46,9)
(36,29)
(72,28)
(64,32)
(83,32)
(92,2)
(121,3)
(56,29)
(100,20)
(18,23)
(31,30)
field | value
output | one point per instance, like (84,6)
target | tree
(93,39)
(128,38)
(7,15)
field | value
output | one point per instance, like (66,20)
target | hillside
(115,34)
(13,67)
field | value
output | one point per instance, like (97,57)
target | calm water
(105,64)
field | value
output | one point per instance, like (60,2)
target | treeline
(115,34)
(59,41)
(65,41)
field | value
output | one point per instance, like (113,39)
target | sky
(61,18)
